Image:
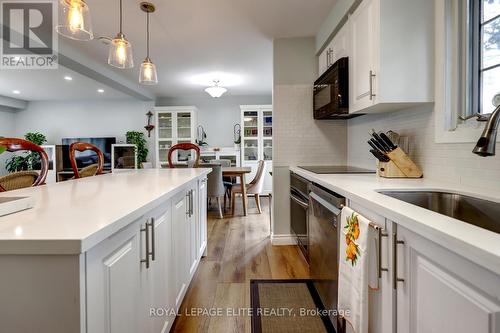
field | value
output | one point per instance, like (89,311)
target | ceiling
(34,85)
(195,41)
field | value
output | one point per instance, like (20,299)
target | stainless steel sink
(482,213)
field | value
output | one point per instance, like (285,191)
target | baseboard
(278,240)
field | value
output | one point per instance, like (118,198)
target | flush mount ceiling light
(100,91)
(17,92)
(147,73)
(120,49)
(216,91)
(68,78)
(74,16)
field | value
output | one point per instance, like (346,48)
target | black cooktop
(335,169)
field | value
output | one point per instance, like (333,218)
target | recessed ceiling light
(17,92)
(68,78)
(100,91)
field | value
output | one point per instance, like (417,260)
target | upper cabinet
(390,45)
(392,55)
(338,48)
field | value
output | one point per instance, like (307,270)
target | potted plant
(27,160)
(138,139)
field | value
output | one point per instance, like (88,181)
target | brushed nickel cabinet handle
(153,245)
(381,234)
(146,231)
(395,243)
(188,203)
(372,75)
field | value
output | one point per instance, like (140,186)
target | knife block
(400,166)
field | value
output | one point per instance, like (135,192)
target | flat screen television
(87,158)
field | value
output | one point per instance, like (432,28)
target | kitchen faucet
(486,144)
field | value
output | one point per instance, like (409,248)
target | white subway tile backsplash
(449,162)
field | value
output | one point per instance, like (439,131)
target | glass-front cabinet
(174,125)
(257,140)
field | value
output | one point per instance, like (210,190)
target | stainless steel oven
(324,235)
(299,211)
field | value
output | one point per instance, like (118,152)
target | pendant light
(120,49)
(216,91)
(74,18)
(148,73)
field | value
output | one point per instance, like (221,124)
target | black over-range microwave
(331,92)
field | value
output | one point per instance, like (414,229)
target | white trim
(444,106)
(280,240)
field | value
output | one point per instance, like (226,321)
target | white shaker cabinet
(336,49)
(202,216)
(381,301)
(391,55)
(438,291)
(114,282)
(180,242)
(147,265)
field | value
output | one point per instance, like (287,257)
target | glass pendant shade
(74,20)
(216,91)
(120,53)
(148,74)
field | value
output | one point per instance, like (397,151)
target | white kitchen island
(113,253)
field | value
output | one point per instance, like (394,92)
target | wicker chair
(24,179)
(88,171)
(17,180)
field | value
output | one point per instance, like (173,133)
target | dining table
(240,173)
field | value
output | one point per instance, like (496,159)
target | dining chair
(253,188)
(184,146)
(24,179)
(93,169)
(228,181)
(215,186)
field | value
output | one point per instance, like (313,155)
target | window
(489,50)
(467,43)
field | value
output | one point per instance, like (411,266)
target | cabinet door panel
(202,217)
(180,246)
(362,26)
(443,292)
(162,269)
(193,232)
(113,270)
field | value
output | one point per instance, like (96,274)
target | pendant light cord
(121,20)
(147,32)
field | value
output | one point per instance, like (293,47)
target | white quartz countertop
(476,244)
(73,216)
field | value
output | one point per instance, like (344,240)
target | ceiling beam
(102,73)
(13,103)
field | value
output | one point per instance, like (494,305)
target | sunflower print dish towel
(354,269)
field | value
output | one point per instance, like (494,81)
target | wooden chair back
(13,145)
(81,147)
(184,146)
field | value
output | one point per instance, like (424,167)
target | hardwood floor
(239,249)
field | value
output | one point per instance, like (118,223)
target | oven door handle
(325,203)
(299,202)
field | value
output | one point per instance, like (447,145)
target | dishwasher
(324,234)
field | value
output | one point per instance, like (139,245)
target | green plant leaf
(3,149)
(138,139)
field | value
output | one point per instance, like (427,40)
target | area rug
(287,306)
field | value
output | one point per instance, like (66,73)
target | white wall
(95,118)
(298,138)
(217,115)
(7,129)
